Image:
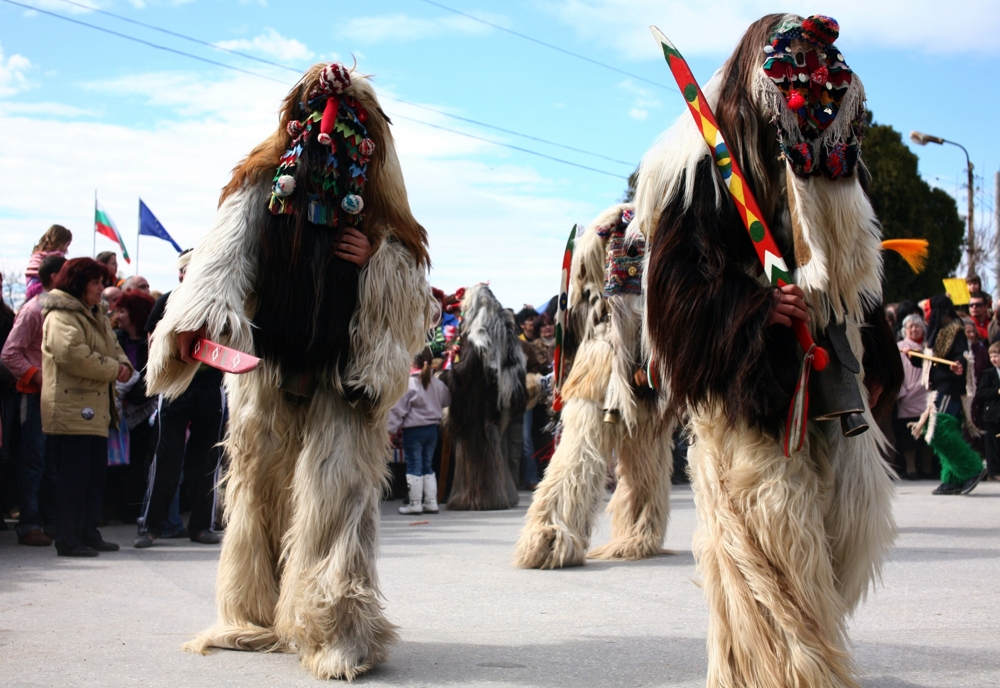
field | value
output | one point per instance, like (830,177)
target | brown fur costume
(786,546)
(604,341)
(297,570)
(487,390)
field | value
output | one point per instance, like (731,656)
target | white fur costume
(563,510)
(297,569)
(786,546)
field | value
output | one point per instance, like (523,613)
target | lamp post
(923,140)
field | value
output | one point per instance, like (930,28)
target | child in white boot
(419,413)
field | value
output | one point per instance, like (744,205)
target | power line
(139,40)
(549,45)
(261,76)
(179,35)
(509,131)
(271,63)
(507,145)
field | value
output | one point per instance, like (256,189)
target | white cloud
(271,43)
(640,98)
(488,218)
(712,27)
(401,27)
(13,76)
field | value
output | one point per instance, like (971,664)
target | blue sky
(82,110)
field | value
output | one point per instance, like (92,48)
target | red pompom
(796,101)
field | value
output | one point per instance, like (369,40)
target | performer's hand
(790,302)
(354,247)
(640,378)
(874,392)
(124,373)
(185,343)
(956,368)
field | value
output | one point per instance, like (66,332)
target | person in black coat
(988,393)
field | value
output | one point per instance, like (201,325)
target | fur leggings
(786,548)
(564,508)
(297,569)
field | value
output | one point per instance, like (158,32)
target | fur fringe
(843,278)
(488,389)
(214,292)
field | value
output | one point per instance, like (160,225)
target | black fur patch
(707,316)
(883,365)
(305,297)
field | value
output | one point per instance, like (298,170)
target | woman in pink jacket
(419,413)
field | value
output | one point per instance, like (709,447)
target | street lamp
(923,140)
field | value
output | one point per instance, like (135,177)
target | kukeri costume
(487,391)
(606,415)
(307,431)
(788,542)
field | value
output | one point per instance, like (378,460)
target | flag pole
(94,254)
(138,231)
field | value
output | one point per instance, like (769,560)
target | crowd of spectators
(81,441)
(969,388)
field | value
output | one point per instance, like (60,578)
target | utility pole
(923,140)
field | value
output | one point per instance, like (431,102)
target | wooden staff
(935,359)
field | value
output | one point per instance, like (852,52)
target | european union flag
(150,226)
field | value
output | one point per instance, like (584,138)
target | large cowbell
(833,391)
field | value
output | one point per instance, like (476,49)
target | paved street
(467,617)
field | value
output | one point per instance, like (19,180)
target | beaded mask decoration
(815,99)
(623,274)
(333,171)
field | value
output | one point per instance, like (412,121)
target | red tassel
(329,119)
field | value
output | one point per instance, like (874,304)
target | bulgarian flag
(103,224)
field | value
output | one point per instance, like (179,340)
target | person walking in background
(202,407)
(419,413)
(946,339)
(127,483)
(988,393)
(81,360)
(55,242)
(911,402)
(22,356)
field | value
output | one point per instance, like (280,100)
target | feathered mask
(813,97)
(333,173)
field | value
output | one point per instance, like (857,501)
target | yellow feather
(913,251)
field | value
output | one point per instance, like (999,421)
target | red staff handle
(821,356)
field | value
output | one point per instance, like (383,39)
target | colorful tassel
(913,251)
(798,412)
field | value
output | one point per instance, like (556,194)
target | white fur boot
(430,494)
(416,485)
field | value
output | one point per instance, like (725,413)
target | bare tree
(13,284)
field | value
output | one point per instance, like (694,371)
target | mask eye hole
(800,59)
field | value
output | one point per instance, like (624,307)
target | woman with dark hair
(127,484)
(109,259)
(961,468)
(81,360)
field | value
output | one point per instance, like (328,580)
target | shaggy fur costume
(487,390)
(786,546)
(297,569)
(563,511)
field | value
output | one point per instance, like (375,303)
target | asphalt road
(468,618)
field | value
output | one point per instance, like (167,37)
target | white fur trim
(395,310)
(218,280)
